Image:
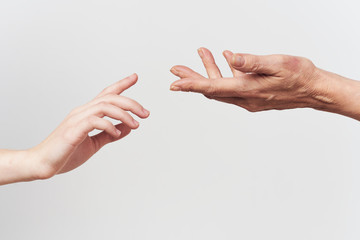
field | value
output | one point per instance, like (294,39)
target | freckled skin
(278,82)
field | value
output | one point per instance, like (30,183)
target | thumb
(269,65)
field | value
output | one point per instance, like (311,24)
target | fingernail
(146,112)
(118,132)
(227,53)
(238,60)
(135,122)
(200,52)
(173,70)
(175,88)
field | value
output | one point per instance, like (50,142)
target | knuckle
(102,104)
(71,117)
(114,96)
(241,87)
(283,59)
(106,90)
(188,87)
(256,66)
(212,89)
(73,135)
(106,98)
(91,120)
(74,111)
(132,103)
(101,107)
(307,63)
(71,120)
(109,125)
(294,64)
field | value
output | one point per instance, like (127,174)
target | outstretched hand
(70,145)
(258,82)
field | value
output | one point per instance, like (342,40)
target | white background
(196,169)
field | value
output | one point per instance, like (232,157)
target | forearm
(337,94)
(15,167)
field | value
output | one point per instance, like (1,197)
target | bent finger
(104,138)
(104,109)
(93,122)
(228,56)
(268,65)
(124,103)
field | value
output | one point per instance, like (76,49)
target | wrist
(27,165)
(15,166)
(337,94)
(39,168)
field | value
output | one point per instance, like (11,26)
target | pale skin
(258,83)
(70,144)
(271,82)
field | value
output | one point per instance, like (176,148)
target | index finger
(220,87)
(120,86)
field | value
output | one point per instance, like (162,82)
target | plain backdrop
(196,169)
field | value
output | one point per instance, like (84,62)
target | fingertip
(118,132)
(237,60)
(204,49)
(174,71)
(180,71)
(175,88)
(132,79)
(125,130)
(200,52)
(136,124)
(146,113)
(227,53)
(135,77)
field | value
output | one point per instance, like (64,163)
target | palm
(82,153)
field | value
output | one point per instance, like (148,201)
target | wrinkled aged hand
(258,82)
(70,145)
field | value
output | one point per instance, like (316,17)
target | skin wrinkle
(276,82)
(324,99)
(271,97)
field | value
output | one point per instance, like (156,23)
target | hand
(258,83)
(69,145)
